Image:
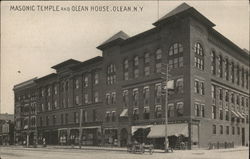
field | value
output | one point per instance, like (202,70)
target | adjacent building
(6,129)
(119,97)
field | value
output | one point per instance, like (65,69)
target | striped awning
(158,131)
(124,113)
(240,115)
(134,128)
(234,113)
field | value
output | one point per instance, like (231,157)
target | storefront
(63,136)
(91,136)
(111,136)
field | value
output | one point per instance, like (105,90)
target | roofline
(103,46)
(87,62)
(229,42)
(64,63)
(46,77)
(25,83)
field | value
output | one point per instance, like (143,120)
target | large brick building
(119,96)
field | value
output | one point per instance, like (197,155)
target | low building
(6,129)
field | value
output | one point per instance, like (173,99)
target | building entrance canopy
(158,131)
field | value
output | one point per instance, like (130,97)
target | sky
(34,41)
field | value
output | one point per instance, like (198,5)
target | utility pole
(166,109)
(80,131)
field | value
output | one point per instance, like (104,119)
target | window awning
(158,131)
(234,113)
(124,113)
(134,128)
(25,127)
(241,116)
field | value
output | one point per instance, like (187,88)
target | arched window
(158,54)
(199,56)
(175,56)
(111,74)
(125,69)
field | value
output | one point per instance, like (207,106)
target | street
(59,153)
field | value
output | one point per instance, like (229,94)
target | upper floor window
(232,72)
(158,111)
(226,69)
(199,56)
(175,49)
(96,81)
(113,97)
(76,83)
(96,97)
(49,91)
(146,96)
(111,74)
(135,97)
(146,112)
(213,91)
(136,61)
(55,90)
(238,75)
(125,64)
(158,54)
(146,70)
(125,98)
(213,62)
(136,73)
(179,109)
(86,99)
(179,85)
(242,77)
(158,93)
(86,81)
(146,58)
(108,101)
(77,100)
(158,67)
(247,80)
(170,110)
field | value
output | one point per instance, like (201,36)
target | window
(111,74)
(125,98)
(49,106)
(226,96)
(227,115)
(108,99)
(77,100)
(158,93)
(214,129)
(196,86)
(146,70)
(136,61)
(94,115)
(247,80)
(84,116)
(125,76)
(108,116)
(86,98)
(232,72)
(158,112)
(136,73)
(176,48)
(221,114)
(113,116)
(179,109)
(213,112)
(197,109)
(49,91)
(158,67)
(237,99)
(158,55)
(202,109)
(146,113)
(221,129)
(43,92)
(170,110)
(242,101)
(220,67)
(232,98)
(175,56)
(220,94)
(86,81)
(238,75)
(238,130)
(242,77)
(41,121)
(199,56)
(233,130)
(146,58)
(96,81)
(227,130)
(96,97)
(179,85)
(113,97)
(146,96)
(43,109)
(66,118)
(55,90)
(76,117)
(135,97)
(125,64)
(136,114)
(213,63)
(76,83)
(55,103)
(213,91)
(202,88)
(227,69)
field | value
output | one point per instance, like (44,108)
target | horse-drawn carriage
(140,148)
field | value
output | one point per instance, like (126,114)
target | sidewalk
(100,148)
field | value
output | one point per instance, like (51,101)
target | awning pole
(80,133)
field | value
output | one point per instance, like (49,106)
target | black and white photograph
(124,79)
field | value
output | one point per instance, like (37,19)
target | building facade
(6,129)
(119,97)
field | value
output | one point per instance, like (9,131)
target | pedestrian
(44,142)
